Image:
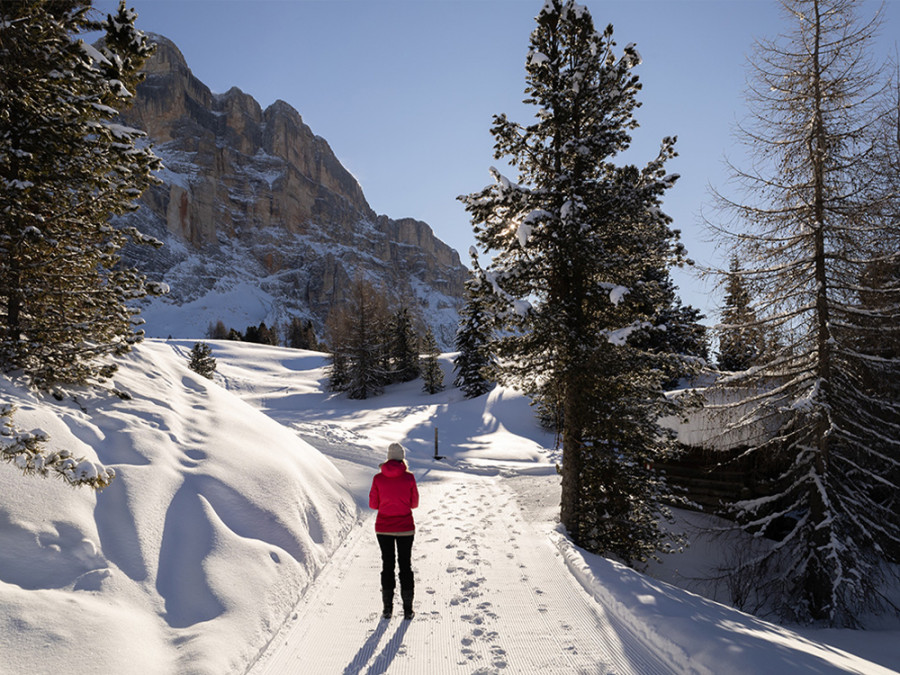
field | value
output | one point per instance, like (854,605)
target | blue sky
(404,90)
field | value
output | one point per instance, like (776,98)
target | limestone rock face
(261,220)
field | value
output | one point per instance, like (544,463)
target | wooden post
(436,455)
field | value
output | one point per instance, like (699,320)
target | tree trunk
(572,475)
(819,591)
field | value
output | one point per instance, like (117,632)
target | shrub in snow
(202,361)
(25,450)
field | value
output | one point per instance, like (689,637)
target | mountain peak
(254,197)
(167,57)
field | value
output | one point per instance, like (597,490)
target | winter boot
(406,594)
(387,597)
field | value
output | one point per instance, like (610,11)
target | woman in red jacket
(395,495)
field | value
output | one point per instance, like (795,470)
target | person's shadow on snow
(385,656)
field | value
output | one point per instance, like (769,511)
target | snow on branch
(619,336)
(616,293)
(25,450)
(92,53)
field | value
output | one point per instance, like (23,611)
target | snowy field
(236,539)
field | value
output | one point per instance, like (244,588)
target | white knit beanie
(395,451)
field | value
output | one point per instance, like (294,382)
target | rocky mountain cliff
(260,220)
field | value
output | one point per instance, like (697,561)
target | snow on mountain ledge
(217,520)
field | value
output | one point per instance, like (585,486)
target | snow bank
(697,635)
(218,519)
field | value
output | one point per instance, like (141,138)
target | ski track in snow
(492,596)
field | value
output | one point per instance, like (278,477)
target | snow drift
(217,520)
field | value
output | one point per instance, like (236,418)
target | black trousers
(403,556)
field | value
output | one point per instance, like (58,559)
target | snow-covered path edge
(697,635)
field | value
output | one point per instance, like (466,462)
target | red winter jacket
(395,495)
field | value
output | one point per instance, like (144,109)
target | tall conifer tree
(67,167)
(403,348)
(818,217)
(358,334)
(741,339)
(578,244)
(474,337)
(432,375)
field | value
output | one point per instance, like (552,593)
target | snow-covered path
(492,596)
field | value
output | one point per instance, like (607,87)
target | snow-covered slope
(194,559)
(218,518)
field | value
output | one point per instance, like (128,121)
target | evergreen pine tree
(475,360)
(741,340)
(338,376)
(301,334)
(67,167)
(819,213)
(432,375)
(358,335)
(676,330)
(261,334)
(202,361)
(251,334)
(581,244)
(403,348)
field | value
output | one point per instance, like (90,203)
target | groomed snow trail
(492,596)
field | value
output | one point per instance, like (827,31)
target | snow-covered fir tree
(67,167)
(403,348)
(475,359)
(741,338)
(202,361)
(432,375)
(578,247)
(675,329)
(819,217)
